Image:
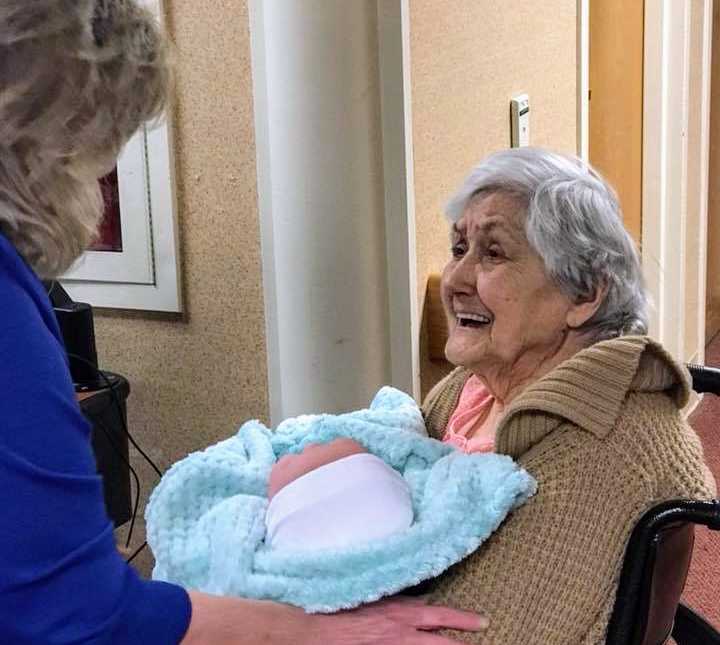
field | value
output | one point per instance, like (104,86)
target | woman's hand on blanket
(399,621)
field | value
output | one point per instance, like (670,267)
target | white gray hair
(77,79)
(574,223)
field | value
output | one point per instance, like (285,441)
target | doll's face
(291,467)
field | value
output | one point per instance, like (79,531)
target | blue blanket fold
(206,518)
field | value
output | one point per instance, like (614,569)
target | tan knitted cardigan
(604,436)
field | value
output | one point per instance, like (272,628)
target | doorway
(712,317)
(648,65)
(615,101)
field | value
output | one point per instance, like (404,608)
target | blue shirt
(61,578)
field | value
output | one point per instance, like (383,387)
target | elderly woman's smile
(505,315)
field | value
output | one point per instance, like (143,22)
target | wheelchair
(656,563)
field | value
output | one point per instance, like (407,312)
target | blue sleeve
(62,579)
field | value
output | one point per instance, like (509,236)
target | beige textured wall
(195,378)
(468,58)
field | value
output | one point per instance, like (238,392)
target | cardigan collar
(589,390)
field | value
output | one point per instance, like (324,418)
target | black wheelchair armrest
(704,379)
(705,513)
(631,617)
(691,629)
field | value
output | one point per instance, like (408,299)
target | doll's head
(290,467)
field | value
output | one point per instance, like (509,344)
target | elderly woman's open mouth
(468,319)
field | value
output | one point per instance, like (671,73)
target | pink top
(474,404)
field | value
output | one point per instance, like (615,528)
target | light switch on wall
(520,121)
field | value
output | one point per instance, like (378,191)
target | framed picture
(134,262)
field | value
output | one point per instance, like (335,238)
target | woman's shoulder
(442,400)
(657,437)
(22,295)
(649,450)
(650,446)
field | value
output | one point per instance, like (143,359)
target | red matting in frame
(109,237)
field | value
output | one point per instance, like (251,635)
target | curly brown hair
(77,79)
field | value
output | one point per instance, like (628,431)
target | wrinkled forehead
(497,212)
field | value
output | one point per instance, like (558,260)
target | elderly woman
(547,314)
(77,78)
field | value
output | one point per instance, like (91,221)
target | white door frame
(674,176)
(398,170)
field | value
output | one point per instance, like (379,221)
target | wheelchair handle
(704,379)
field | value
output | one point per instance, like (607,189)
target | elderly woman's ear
(585,308)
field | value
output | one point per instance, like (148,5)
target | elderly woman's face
(502,309)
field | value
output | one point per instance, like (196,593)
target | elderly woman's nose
(461,274)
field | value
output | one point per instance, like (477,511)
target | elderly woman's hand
(399,621)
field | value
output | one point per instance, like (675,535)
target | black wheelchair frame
(629,623)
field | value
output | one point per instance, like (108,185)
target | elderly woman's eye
(458,249)
(493,252)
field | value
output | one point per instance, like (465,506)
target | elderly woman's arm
(548,576)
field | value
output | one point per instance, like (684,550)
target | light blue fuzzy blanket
(205,520)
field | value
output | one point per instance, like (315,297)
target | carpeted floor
(702,592)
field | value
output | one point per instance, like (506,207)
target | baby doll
(334,495)
(328,512)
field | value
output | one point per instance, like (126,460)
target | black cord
(114,396)
(50,287)
(118,405)
(120,454)
(140,548)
